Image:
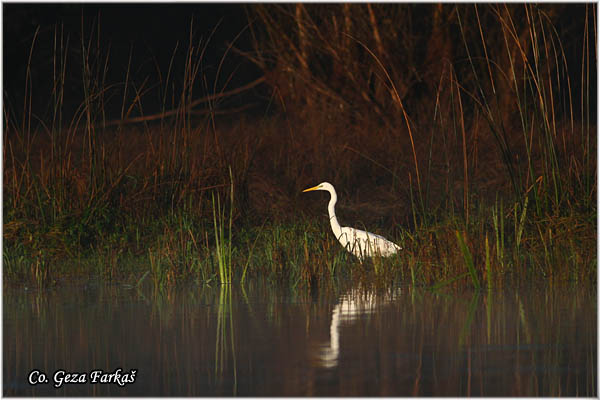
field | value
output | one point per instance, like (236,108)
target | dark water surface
(262,341)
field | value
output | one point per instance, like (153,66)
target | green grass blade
(468,260)
(440,285)
(488,265)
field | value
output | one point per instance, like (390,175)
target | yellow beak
(312,188)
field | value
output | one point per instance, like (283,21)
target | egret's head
(321,186)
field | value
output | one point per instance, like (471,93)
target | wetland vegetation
(464,133)
(154,224)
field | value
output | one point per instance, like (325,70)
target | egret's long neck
(335,225)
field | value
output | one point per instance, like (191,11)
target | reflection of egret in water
(352,305)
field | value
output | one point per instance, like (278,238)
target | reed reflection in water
(265,341)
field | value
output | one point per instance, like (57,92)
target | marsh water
(264,341)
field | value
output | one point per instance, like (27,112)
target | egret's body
(360,243)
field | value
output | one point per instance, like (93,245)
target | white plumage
(360,243)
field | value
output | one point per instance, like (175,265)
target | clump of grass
(468,260)
(223,245)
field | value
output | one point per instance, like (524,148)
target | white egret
(360,243)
